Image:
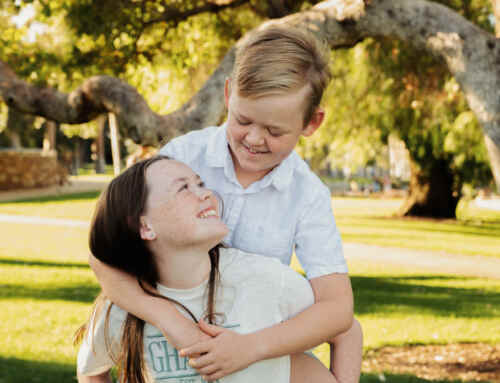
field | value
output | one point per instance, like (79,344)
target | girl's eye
(201,184)
(183,187)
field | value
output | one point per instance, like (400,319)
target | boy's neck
(246,178)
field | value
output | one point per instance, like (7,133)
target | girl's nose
(202,193)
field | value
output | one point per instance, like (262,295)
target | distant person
(274,205)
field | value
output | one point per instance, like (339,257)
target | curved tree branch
(471,54)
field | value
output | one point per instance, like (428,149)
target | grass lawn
(47,288)
(371,221)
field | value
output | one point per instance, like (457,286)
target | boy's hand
(190,335)
(225,353)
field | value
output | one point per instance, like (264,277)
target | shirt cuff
(325,270)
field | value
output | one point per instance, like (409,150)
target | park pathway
(439,262)
(467,265)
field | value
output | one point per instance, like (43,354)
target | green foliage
(387,87)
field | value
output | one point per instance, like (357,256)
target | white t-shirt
(255,292)
(289,209)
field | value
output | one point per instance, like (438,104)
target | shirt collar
(281,176)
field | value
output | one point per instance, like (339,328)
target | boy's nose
(254,137)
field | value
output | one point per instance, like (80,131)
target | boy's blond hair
(281,59)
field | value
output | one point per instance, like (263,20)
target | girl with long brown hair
(159,223)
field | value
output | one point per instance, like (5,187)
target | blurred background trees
(167,49)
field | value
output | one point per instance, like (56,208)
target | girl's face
(180,212)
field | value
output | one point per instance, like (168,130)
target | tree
(383,88)
(470,53)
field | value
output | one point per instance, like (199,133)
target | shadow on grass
(57,198)
(13,370)
(75,293)
(395,378)
(406,295)
(18,262)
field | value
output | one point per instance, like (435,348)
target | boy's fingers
(202,361)
(214,376)
(209,329)
(194,350)
(208,370)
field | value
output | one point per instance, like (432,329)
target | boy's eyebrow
(241,116)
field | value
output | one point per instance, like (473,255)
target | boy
(273,205)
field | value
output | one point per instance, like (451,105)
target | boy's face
(263,131)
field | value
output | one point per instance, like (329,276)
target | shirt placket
(234,214)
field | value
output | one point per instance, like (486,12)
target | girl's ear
(146,230)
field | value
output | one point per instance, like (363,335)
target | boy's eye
(201,184)
(183,187)
(243,122)
(274,133)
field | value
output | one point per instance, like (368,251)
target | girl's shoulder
(238,266)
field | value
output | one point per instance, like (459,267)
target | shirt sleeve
(94,356)
(317,240)
(174,149)
(297,294)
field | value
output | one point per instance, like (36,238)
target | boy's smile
(263,131)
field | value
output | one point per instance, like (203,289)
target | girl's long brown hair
(115,240)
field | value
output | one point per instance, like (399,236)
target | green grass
(74,206)
(47,290)
(372,221)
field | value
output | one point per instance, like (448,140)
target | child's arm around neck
(124,291)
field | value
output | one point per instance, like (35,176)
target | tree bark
(100,163)
(115,143)
(494,150)
(19,125)
(431,192)
(49,136)
(471,54)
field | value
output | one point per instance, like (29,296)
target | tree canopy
(109,57)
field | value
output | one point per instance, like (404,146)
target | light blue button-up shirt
(289,209)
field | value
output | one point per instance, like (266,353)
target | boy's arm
(124,290)
(228,351)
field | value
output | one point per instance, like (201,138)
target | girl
(158,222)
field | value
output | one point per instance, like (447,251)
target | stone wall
(30,168)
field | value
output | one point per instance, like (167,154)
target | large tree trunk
(494,150)
(431,192)
(494,157)
(19,127)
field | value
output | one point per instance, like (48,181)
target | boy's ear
(315,122)
(146,230)
(227,91)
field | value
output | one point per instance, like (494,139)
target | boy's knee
(353,333)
